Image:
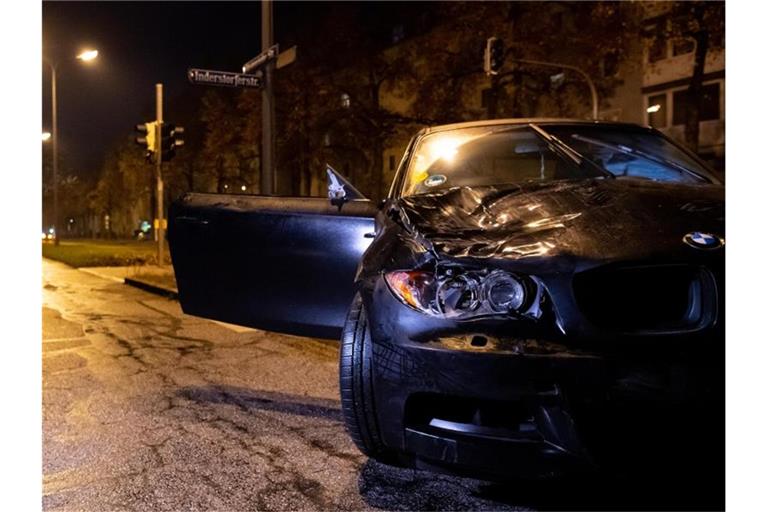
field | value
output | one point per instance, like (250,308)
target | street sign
(223,78)
(286,57)
(261,59)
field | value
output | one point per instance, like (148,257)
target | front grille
(659,298)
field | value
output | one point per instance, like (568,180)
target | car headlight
(415,288)
(460,295)
(456,296)
(503,291)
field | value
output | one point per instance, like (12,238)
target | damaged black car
(533,297)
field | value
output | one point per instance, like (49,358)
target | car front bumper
(472,399)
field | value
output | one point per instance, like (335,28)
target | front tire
(356,382)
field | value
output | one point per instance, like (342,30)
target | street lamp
(88,55)
(85,56)
(46,136)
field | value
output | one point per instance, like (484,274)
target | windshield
(496,155)
(629,152)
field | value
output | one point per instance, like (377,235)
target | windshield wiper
(564,149)
(636,152)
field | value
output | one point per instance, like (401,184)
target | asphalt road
(145,408)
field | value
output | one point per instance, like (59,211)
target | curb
(152,288)
(87,270)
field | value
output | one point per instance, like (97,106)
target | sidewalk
(84,252)
(160,280)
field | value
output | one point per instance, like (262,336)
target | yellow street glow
(46,136)
(88,55)
(653,108)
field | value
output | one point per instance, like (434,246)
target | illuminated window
(657,111)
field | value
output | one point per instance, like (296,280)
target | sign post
(267,102)
(265,63)
(261,59)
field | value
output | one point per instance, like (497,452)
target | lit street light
(46,136)
(88,55)
(85,56)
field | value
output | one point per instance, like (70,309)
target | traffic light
(493,57)
(171,139)
(147,139)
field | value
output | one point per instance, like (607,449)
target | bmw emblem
(701,240)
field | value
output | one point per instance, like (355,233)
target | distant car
(532,297)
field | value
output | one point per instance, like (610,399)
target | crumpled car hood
(598,219)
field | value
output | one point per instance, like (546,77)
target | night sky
(140,44)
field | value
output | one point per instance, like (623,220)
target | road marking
(48,340)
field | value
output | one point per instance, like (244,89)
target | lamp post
(85,56)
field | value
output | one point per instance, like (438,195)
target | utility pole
(55,136)
(268,104)
(159,229)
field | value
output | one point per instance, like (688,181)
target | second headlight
(504,292)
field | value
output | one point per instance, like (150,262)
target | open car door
(284,264)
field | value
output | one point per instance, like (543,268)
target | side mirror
(336,192)
(340,190)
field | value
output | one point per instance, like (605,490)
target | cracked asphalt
(145,408)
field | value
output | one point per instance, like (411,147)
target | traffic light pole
(590,83)
(159,230)
(267,105)
(493,96)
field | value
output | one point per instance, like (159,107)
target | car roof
(536,120)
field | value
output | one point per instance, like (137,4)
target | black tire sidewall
(356,381)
